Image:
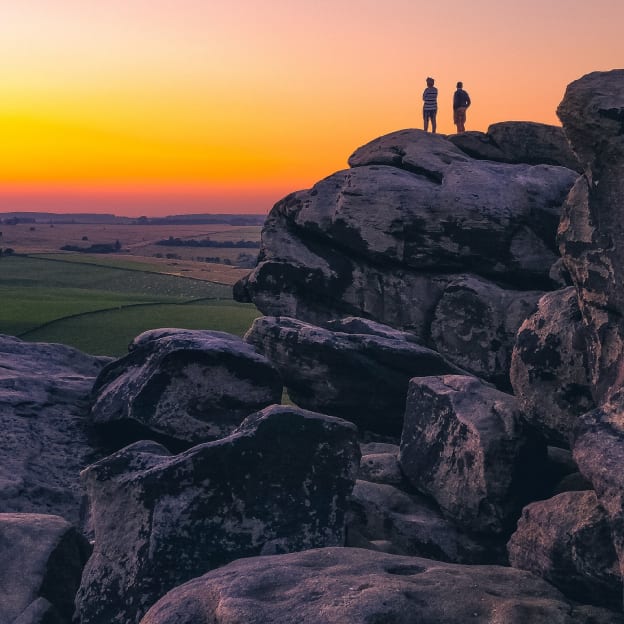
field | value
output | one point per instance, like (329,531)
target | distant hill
(189,219)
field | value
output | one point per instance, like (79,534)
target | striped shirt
(430,99)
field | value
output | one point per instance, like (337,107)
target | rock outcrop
(338,585)
(592,225)
(42,559)
(385,240)
(187,386)
(46,435)
(277,484)
(409,294)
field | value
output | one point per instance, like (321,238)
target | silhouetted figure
(430,105)
(461,101)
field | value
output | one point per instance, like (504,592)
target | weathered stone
(338,585)
(519,142)
(475,324)
(278,483)
(412,150)
(592,224)
(382,517)
(534,144)
(189,386)
(341,373)
(384,239)
(478,145)
(466,445)
(45,441)
(549,367)
(381,468)
(599,452)
(566,540)
(42,559)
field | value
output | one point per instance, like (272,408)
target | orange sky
(172,106)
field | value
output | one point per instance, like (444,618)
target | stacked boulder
(455,366)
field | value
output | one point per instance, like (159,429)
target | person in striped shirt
(430,105)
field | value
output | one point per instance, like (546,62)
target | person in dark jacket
(461,101)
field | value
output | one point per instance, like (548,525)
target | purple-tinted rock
(190,386)
(567,541)
(465,444)
(279,483)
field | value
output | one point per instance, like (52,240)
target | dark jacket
(461,98)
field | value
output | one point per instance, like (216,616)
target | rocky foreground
(446,317)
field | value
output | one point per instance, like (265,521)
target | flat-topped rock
(338,585)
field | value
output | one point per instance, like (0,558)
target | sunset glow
(172,106)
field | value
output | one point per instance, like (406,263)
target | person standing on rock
(461,101)
(430,105)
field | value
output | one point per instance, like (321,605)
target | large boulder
(279,483)
(599,453)
(465,444)
(519,142)
(592,224)
(356,369)
(46,439)
(567,541)
(189,386)
(549,371)
(42,559)
(338,585)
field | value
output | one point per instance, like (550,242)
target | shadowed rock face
(592,225)
(45,438)
(42,559)
(549,372)
(387,519)
(189,386)
(279,483)
(338,585)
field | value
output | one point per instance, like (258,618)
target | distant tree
(86,238)
(32,228)
(117,245)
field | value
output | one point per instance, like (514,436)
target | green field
(100,309)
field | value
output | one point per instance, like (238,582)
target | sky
(152,107)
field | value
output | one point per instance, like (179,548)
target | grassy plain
(98,303)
